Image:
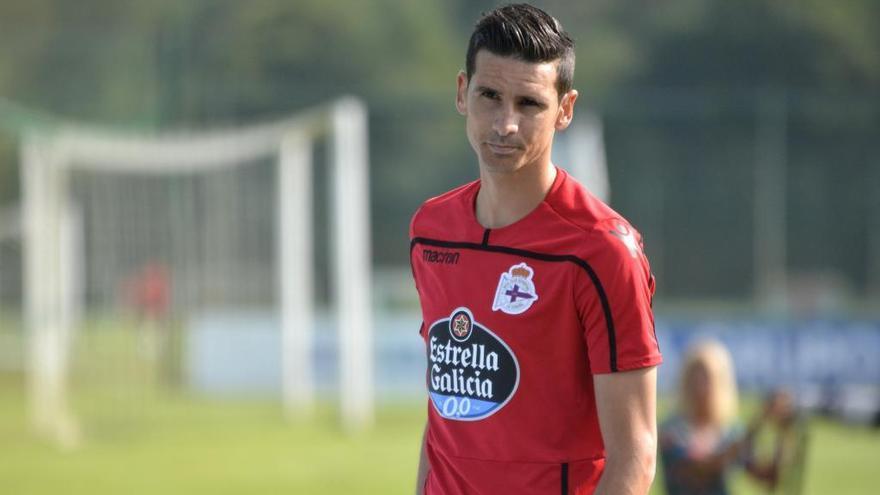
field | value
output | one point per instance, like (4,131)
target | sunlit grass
(186,445)
(144,434)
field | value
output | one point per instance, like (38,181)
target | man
(536,297)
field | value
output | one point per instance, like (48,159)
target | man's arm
(423,464)
(626,403)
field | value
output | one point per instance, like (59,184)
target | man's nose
(506,122)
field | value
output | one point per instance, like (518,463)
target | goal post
(52,245)
(351,270)
(49,287)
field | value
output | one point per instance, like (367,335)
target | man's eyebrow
(482,88)
(536,99)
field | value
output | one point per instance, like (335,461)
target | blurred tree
(168,64)
(706,79)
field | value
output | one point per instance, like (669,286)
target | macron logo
(628,237)
(441,257)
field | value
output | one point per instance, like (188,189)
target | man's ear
(566,109)
(461,93)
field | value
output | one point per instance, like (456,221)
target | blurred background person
(702,443)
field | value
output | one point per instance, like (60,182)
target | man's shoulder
(600,225)
(438,209)
(453,196)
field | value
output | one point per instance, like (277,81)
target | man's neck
(505,198)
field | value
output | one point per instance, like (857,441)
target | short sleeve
(614,296)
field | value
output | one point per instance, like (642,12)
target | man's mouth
(502,149)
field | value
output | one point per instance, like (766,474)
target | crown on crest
(520,271)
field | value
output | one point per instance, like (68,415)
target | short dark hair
(527,33)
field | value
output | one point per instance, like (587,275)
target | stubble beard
(500,165)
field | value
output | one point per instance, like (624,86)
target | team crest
(516,290)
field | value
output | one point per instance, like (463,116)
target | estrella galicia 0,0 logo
(472,373)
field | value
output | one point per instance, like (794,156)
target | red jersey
(516,321)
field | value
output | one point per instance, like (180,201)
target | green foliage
(199,62)
(168,64)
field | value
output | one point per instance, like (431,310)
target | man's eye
(490,94)
(530,103)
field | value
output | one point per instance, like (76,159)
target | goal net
(136,247)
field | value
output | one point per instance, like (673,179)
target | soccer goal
(163,228)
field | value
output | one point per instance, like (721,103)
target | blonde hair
(712,356)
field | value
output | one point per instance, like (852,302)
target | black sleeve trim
(563,475)
(603,298)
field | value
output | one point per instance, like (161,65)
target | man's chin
(498,164)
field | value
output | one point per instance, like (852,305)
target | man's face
(513,110)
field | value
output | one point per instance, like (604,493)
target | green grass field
(184,445)
(190,446)
(141,437)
